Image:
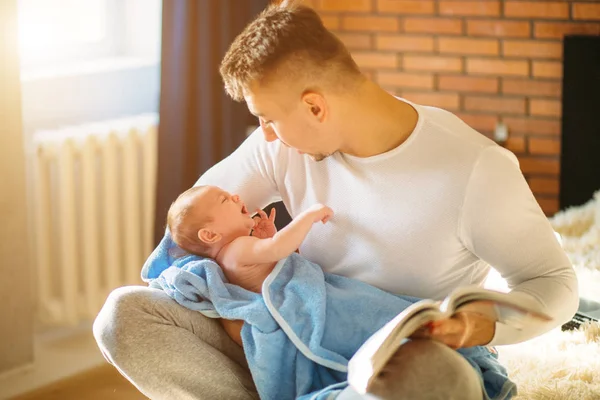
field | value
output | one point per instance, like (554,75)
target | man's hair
(184,223)
(288,38)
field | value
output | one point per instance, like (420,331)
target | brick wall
(487,61)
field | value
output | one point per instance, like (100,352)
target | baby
(209,222)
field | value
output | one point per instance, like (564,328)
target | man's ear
(315,104)
(207,236)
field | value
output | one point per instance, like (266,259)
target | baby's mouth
(244,210)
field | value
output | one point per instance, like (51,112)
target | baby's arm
(248,250)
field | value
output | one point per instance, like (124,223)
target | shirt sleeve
(502,224)
(249,172)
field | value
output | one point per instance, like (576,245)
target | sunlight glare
(50,26)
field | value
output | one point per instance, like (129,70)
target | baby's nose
(235,198)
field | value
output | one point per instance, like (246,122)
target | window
(62,32)
(102,58)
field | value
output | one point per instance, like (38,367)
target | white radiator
(94,199)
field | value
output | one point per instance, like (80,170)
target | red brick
(502,105)
(432,63)
(516,144)
(556,30)
(544,185)
(547,69)
(529,87)
(355,41)
(462,83)
(532,126)
(548,205)
(497,67)
(401,42)
(470,8)
(331,21)
(375,59)
(498,28)
(345,5)
(537,165)
(536,9)
(405,80)
(532,49)
(544,146)
(446,26)
(406,6)
(370,23)
(479,122)
(545,108)
(588,11)
(448,101)
(468,46)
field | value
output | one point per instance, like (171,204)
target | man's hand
(473,325)
(264,227)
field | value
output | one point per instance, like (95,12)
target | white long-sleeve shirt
(422,219)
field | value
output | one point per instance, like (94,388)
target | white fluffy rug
(565,365)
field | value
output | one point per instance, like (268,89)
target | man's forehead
(254,104)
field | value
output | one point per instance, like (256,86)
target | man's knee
(118,317)
(424,369)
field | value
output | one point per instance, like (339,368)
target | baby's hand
(321,212)
(264,227)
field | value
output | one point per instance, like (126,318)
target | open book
(372,356)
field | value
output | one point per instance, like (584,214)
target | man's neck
(378,122)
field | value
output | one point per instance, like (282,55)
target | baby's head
(205,218)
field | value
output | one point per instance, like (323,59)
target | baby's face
(228,212)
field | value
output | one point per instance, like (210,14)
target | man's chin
(318,157)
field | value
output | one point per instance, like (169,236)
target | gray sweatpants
(170,352)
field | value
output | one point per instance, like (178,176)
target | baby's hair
(184,222)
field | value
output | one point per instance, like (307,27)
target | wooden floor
(102,383)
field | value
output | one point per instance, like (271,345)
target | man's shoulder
(456,127)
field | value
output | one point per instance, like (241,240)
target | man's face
(288,118)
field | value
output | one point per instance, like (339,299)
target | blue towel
(300,333)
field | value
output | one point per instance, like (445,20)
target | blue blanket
(300,333)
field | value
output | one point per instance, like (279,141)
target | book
(514,309)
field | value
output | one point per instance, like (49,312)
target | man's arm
(249,172)
(503,224)
(248,250)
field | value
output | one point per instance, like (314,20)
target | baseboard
(56,357)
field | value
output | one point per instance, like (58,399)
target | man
(423,204)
